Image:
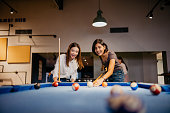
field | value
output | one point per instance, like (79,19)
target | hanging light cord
(151,11)
(8,5)
(99,4)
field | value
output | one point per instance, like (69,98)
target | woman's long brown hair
(78,57)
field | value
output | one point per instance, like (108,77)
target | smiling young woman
(69,63)
(113,70)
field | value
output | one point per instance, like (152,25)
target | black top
(112,55)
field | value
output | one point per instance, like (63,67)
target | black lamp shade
(99,21)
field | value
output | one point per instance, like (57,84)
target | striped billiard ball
(134,86)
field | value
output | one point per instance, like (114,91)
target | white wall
(74,24)
(150,68)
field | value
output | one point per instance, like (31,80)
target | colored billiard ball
(155,89)
(134,86)
(133,104)
(104,84)
(55,84)
(126,104)
(90,84)
(37,85)
(75,86)
(116,90)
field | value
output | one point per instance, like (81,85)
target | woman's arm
(55,79)
(108,74)
(73,77)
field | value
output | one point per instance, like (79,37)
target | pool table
(62,99)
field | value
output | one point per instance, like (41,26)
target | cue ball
(90,84)
(37,85)
(116,90)
(155,89)
(55,84)
(104,84)
(75,86)
(134,86)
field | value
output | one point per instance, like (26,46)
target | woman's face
(119,61)
(74,52)
(99,49)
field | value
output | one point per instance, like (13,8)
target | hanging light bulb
(151,16)
(99,21)
(12,11)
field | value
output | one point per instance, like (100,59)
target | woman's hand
(55,79)
(58,81)
(72,80)
(98,82)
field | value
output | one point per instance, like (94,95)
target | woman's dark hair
(78,58)
(120,58)
(100,41)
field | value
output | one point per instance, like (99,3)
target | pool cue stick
(99,77)
(59,59)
